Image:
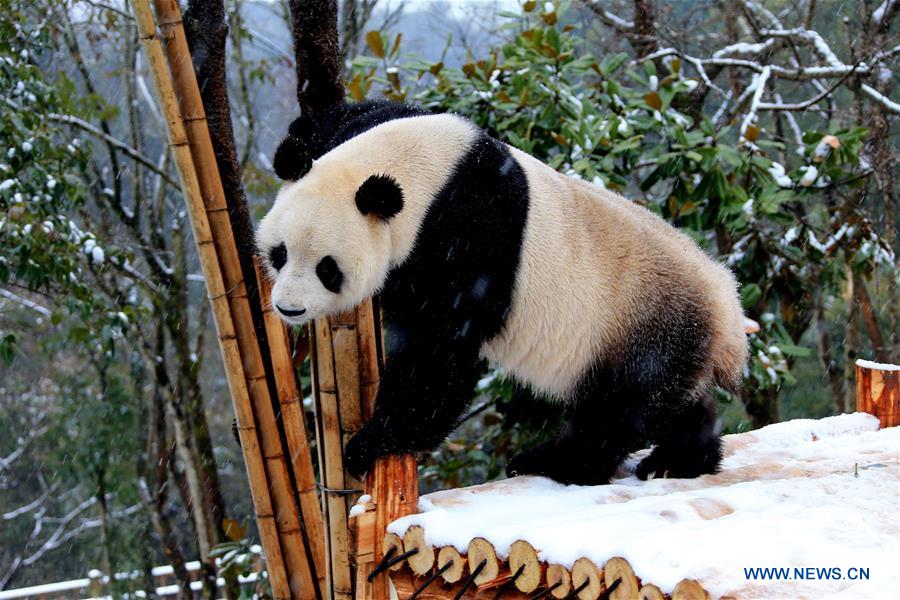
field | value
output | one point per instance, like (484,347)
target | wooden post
(878,391)
(218,297)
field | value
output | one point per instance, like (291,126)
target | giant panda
(477,250)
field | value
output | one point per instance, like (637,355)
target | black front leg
(426,388)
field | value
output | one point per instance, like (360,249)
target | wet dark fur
(454,293)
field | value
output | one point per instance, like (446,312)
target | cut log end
(588,577)
(422,561)
(618,568)
(449,554)
(392,540)
(651,592)
(559,574)
(688,589)
(878,391)
(523,556)
(481,550)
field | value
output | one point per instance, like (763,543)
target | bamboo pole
(300,567)
(295,428)
(218,297)
(878,391)
(339,580)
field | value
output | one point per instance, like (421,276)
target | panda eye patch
(330,274)
(278,256)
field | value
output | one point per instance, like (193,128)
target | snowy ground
(822,494)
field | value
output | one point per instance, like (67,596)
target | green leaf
(611,64)
(794,350)
(750,294)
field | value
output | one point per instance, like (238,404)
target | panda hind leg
(688,446)
(595,441)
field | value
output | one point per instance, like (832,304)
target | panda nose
(288,312)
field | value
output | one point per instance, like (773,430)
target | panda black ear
(381,196)
(292,160)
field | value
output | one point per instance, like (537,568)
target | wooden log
(689,589)
(421,562)
(481,550)
(452,555)
(558,574)
(393,544)
(878,391)
(395,491)
(406,583)
(218,296)
(585,571)
(523,556)
(651,592)
(618,568)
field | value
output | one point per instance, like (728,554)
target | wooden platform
(796,495)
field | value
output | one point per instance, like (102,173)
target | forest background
(767,130)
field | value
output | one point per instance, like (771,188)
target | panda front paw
(363,449)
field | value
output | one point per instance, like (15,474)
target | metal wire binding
(547,591)
(387,563)
(430,579)
(574,592)
(608,592)
(383,564)
(471,579)
(509,584)
(337,491)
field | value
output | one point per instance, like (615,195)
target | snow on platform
(804,493)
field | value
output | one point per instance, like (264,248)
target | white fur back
(590,263)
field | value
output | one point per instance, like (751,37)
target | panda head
(326,243)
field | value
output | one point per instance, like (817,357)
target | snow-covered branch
(759,86)
(118,144)
(885,11)
(608,18)
(809,37)
(875,95)
(27,304)
(97,132)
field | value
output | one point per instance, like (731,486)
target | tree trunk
(762,407)
(317,54)
(207,31)
(829,365)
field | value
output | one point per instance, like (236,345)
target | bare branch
(120,145)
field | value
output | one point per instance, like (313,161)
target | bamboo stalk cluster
(447,573)
(289,519)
